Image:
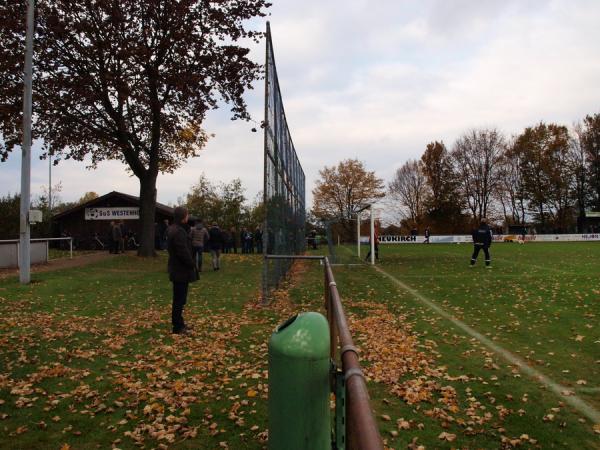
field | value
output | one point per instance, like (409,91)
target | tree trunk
(147,215)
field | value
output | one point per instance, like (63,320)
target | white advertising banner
(448,239)
(117,213)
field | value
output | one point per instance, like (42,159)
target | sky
(379,80)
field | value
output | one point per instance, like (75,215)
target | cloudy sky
(378,80)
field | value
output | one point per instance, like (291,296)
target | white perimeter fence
(10,248)
(458,239)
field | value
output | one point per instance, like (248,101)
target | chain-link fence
(284,183)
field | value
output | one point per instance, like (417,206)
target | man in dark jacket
(482,239)
(215,243)
(182,268)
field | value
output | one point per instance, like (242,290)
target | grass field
(87,360)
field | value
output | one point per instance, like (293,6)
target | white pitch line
(577,403)
(591,390)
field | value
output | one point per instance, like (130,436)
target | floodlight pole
(49,184)
(372,236)
(24,230)
(358,234)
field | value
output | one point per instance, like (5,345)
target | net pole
(372,236)
(265,237)
(358,234)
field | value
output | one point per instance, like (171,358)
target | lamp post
(24,230)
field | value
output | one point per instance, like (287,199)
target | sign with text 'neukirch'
(117,213)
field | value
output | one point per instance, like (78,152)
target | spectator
(157,238)
(376,247)
(117,237)
(215,243)
(111,239)
(226,241)
(258,240)
(123,237)
(181,266)
(312,239)
(249,242)
(199,236)
(427,235)
(164,226)
(232,241)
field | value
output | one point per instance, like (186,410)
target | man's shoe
(184,331)
(488,267)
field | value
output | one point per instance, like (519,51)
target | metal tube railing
(362,431)
(16,241)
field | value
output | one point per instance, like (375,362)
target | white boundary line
(566,394)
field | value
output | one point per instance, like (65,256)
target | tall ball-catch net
(284,183)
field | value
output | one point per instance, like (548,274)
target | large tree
(444,205)
(222,203)
(477,155)
(511,188)
(590,140)
(548,178)
(409,190)
(130,81)
(343,190)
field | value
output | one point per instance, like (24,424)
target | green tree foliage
(128,81)
(224,204)
(9,216)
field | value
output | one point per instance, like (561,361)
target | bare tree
(409,190)
(511,186)
(577,159)
(477,155)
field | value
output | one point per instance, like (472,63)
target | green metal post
(299,365)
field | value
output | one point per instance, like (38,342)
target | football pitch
(524,335)
(455,357)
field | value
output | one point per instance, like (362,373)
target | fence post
(71,247)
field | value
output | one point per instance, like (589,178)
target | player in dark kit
(482,239)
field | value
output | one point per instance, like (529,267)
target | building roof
(116,195)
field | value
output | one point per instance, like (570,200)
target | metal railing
(361,430)
(17,241)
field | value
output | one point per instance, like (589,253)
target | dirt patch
(61,263)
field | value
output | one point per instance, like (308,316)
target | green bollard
(299,416)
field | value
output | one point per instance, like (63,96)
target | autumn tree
(543,151)
(577,158)
(590,141)
(127,81)
(88,196)
(443,205)
(343,190)
(408,189)
(223,203)
(511,187)
(476,155)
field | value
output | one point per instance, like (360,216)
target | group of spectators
(119,238)
(212,239)
(186,241)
